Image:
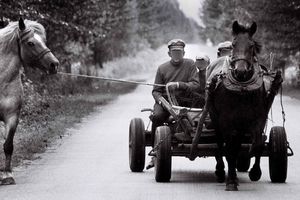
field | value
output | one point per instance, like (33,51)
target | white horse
(21,43)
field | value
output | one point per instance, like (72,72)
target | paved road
(92,163)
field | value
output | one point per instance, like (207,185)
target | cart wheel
(243,162)
(137,145)
(278,155)
(163,161)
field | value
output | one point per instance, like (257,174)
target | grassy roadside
(38,131)
(60,103)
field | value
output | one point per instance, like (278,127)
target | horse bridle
(25,36)
(243,58)
(235,58)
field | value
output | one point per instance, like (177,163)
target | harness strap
(41,54)
(26,34)
(234,59)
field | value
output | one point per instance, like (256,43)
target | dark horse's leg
(220,172)
(255,172)
(10,129)
(256,150)
(232,147)
(257,147)
(258,140)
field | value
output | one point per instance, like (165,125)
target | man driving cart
(181,77)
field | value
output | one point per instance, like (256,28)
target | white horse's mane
(10,34)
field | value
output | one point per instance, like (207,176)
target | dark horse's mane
(258,46)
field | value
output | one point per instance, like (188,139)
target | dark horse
(21,43)
(238,102)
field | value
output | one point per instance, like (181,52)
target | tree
(278,23)
(95,31)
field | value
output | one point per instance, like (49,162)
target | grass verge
(54,104)
(37,131)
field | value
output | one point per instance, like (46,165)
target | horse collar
(254,83)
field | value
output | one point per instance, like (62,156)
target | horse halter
(24,37)
(249,68)
(236,58)
(239,57)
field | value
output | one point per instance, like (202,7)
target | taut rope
(112,79)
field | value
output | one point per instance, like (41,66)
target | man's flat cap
(225,45)
(203,57)
(176,44)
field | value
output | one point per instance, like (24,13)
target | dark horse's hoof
(255,174)
(220,176)
(231,187)
(8,181)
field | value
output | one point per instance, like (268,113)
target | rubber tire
(278,161)
(243,162)
(163,161)
(136,145)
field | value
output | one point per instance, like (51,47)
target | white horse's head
(32,48)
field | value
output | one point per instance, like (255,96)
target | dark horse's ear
(21,24)
(235,28)
(252,29)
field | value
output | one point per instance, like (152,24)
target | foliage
(92,32)
(109,29)
(46,113)
(278,22)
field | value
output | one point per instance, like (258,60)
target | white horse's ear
(22,26)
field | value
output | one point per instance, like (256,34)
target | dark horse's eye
(30,44)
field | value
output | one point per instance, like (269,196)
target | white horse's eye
(30,44)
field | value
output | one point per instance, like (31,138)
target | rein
(243,58)
(41,54)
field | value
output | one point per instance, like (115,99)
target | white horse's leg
(10,129)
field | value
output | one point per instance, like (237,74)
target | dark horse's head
(244,51)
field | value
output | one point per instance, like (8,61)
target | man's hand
(172,86)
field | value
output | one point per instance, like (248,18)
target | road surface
(92,163)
